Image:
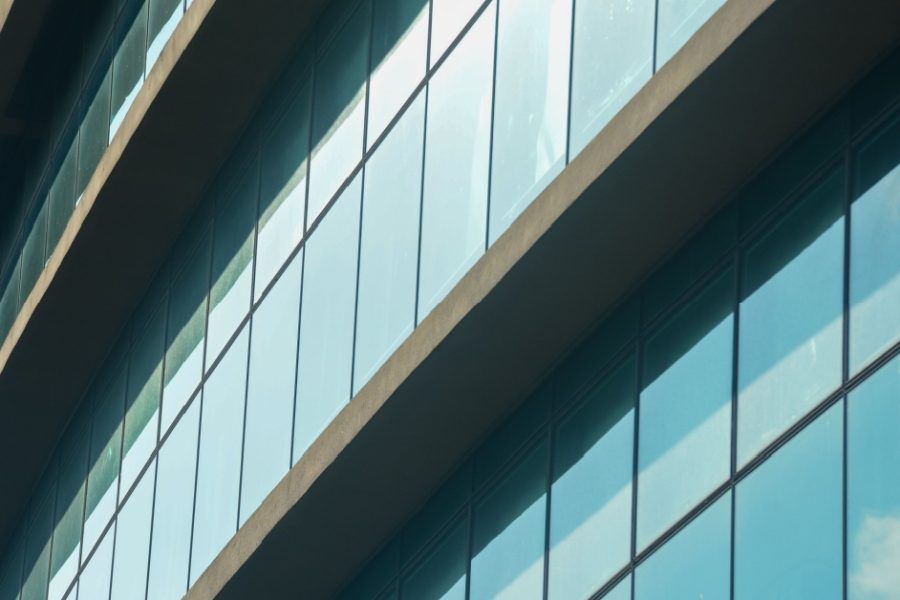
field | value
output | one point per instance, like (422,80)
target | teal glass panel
(37,545)
(164,17)
(508,542)
(442,573)
(326,323)
(339,111)
(9,305)
(93,583)
(590,514)
(873,488)
(684,445)
(389,244)
(874,250)
(232,262)
(270,389)
(73,453)
(106,441)
(620,31)
(456,164)
(170,547)
(621,591)
(33,253)
(437,513)
(448,19)
(399,41)
(61,198)
(142,401)
(283,188)
(530,104)
(695,563)
(790,318)
(376,576)
(678,20)
(129,578)
(128,70)
(788,518)
(219,468)
(11,571)
(93,135)
(185,332)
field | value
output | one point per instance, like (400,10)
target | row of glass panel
(72,163)
(560,520)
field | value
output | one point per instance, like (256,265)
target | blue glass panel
(390,239)
(93,583)
(270,389)
(92,136)
(128,70)
(590,514)
(129,577)
(219,468)
(790,319)
(37,545)
(678,20)
(442,573)
(173,509)
(622,590)
(456,164)
(874,251)
(448,18)
(531,104)
(33,256)
(684,446)
(696,563)
(788,518)
(164,17)
(873,488)
(508,544)
(326,324)
(620,31)
(339,111)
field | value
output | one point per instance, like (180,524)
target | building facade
(452,299)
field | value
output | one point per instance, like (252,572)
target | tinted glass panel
(790,342)
(37,549)
(456,164)
(129,577)
(94,580)
(339,113)
(442,574)
(508,545)
(11,572)
(684,446)
(788,532)
(128,70)
(590,515)
(875,246)
(73,454)
(33,254)
(390,240)
(678,20)
(92,137)
(531,104)
(448,19)
(270,389)
(621,31)
(326,326)
(873,488)
(164,16)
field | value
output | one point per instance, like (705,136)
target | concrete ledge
(752,77)
(212,75)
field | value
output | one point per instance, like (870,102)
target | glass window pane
(788,519)
(284,161)
(684,446)
(399,38)
(621,31)
(389,245)
(94,579)
(270,389)
(678,20)
(790,330)
(173,509)
(696,563)
(73,453)
(590,515)
(33,254)
(873,488)
(219,468)
(622,590)
(106,440)
(37,546)
(164,17)
(875,246)
(442,573)
(456,164)
(531,104)
(339,111)
(92,136)
(326,324)
(61,198)
(448,19)
(11,570)
(187,317)
(508,544)
(129,579)
(232,266)
(128,70)
(376,576)
(142,403)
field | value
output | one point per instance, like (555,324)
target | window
(37,545)
(73,453)
(164,16)
(94,579)
(678,20)
(92,136)
(128,70)
(33,253)
(132,548)
(442,573)
(449,18)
